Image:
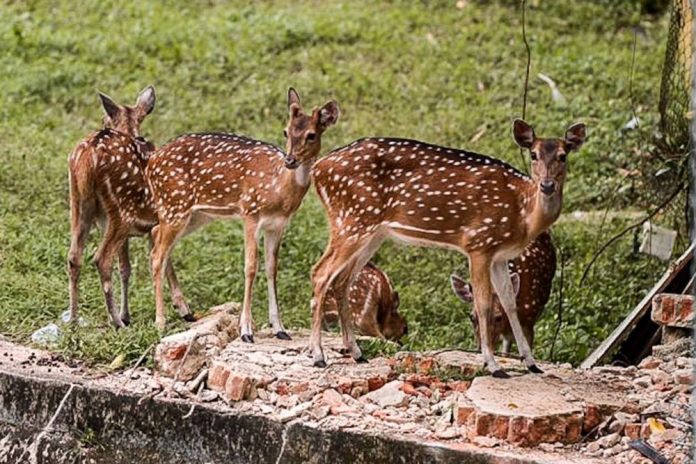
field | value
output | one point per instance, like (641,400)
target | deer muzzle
(547,186)
(291,162)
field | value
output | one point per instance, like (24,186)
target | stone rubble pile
(658,407)
(442,395)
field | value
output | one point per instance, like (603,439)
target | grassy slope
(397,68)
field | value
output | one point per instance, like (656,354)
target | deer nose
(547,187)
(291,162)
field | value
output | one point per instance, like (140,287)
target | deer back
(219,174)
(109,166)
(424,193)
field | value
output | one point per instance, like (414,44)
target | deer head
(394,323)
(127,119)
(303,132)
(549,158)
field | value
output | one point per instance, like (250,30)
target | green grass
(400,68)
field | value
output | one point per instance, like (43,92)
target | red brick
(375,383)
(463,412)
(217,377)
(408,388)
(518,431)
(673,310)
(632,431)
(573,432)
(483,424)
(237,387)
(500,427)
(592,417)
(459,385)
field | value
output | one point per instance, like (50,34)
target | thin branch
(526,76)
(659,208)
(630,76)
(132,369)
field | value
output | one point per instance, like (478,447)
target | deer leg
(178,299)
(321,284)
(483,305)
(337,265)
(81,218)
(115,235)
(507,344)
(342,287)
(272,245)
(125,270)
(500,278)
(250,267)
(165,236)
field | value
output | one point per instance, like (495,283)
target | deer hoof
(125,320)
(500,374)
(188,317)
(362,360)
(534,369)
(320,364)
(283,335)
(248,338)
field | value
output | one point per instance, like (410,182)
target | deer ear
(461,288)
(328,114)
(146,100)
(110,107)
(523,133)
(293,98)
(515,279)
(575,136)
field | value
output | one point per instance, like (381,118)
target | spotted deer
(531,274)
(107,187)
(373,304)
(433,196)
(201,177)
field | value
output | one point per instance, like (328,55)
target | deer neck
(293,184)
(541,211)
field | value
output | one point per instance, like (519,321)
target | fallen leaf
(117,363)
(655,425)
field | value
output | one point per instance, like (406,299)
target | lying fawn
(435,196)
(201,177)
(373,304)
(107,187)
(531,275)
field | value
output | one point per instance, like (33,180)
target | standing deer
(200,177)
(107,186)
(531,274)
(373,305)
(435,196)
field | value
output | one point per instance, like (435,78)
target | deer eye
(311,137)
(285,133)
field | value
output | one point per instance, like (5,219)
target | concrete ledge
(97,424)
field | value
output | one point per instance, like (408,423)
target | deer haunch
(534,270)
(436,196)
(373,304)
